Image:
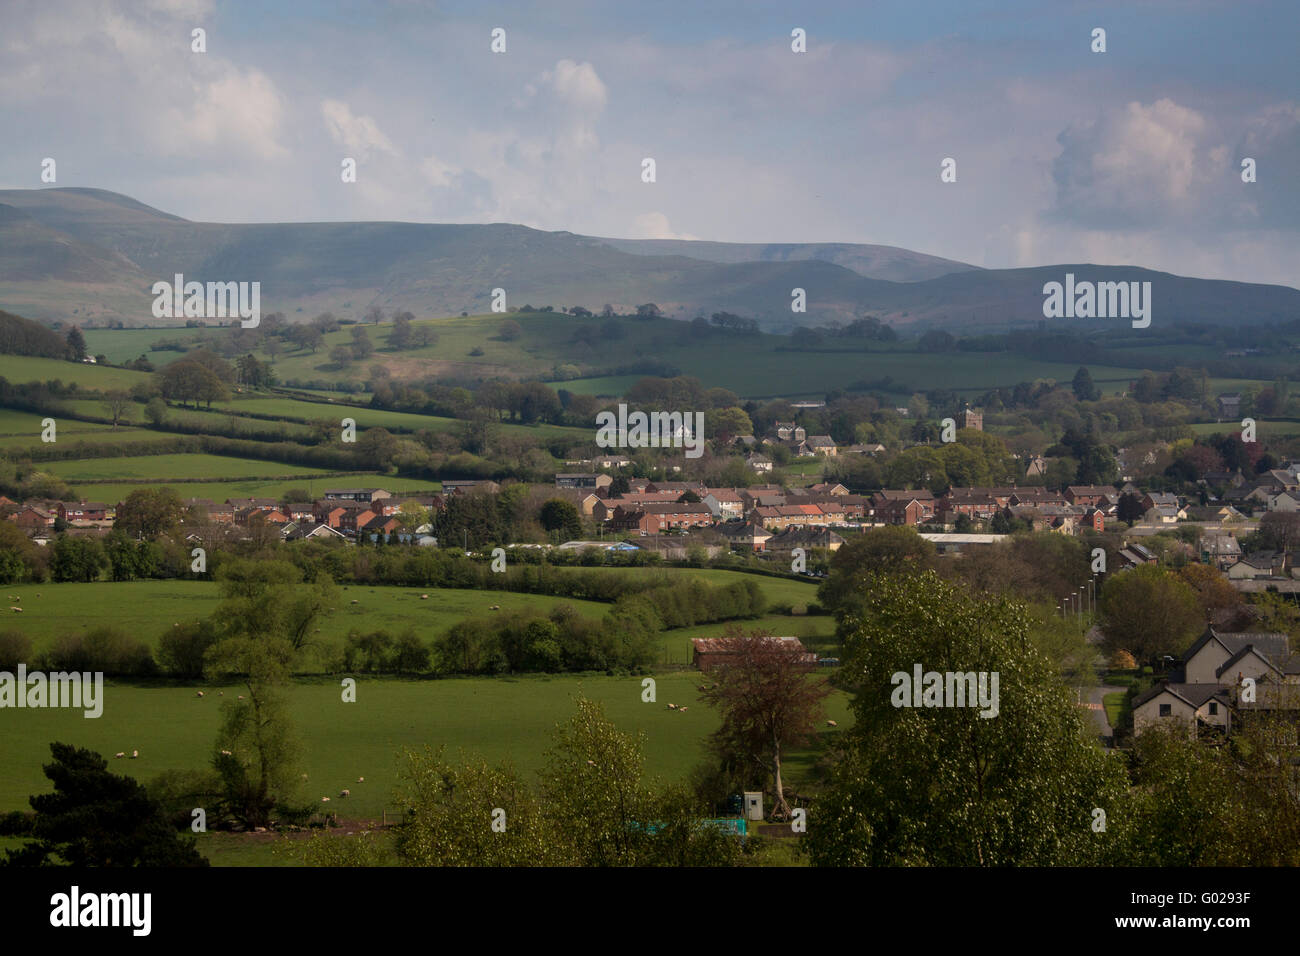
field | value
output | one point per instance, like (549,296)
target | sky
(1063,155)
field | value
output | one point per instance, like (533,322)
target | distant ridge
(870,261)
(92,255)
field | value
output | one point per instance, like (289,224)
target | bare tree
(116,403)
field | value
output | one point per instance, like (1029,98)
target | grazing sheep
(591,763)
(134,754)
(241,696)
(672,706)
(324,799)
(356,602)
(304,776)
(226,753)
(199,694)
(681,710)
(120,753)
(424,597)
(361,779)
(495,607)
(345,793)
(831,723)
(221,693)
(17,610)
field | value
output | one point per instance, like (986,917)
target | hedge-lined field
(499,718)
(146,609)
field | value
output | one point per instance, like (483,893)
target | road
(1098,710)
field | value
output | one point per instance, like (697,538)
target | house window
(1214,710)
(1166,710)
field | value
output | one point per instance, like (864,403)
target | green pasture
(25,368)
(156,467)
(254,488)
(147,609)
(497,718)
(753,366)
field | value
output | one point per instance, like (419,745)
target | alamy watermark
(1098,300)
(946,689)
(651,430)
(215,300)
(60,689)
(128,910)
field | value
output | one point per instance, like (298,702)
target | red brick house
(903,507)
(655,518)
(30,517)
(84,511)
(1089,494)
(382,525)
(972,503)
(354,518)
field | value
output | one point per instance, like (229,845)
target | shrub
(181,648)
(15,648)
(101,649)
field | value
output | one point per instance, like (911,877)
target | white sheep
(424,597)
(324,799)
(226,753)
(16,610)
(241,696)
(134,754)
(199,694)
(672,706)
(120,753)
(831,723)
(361,779)
(681,710)
(345,793)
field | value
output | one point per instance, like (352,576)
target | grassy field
(20,429)
(498,718)
(123,345)
(610,386)
(134,415)
(253,488)
(26,368)
(146,609)
(154,467)
(753,366)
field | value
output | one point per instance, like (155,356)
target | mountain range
(91,256)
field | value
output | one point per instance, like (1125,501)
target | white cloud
(359,134)
(578,85)
(236,108)
(1135,165)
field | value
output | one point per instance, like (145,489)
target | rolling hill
(90,255)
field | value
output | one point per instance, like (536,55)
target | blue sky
(1063,155)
